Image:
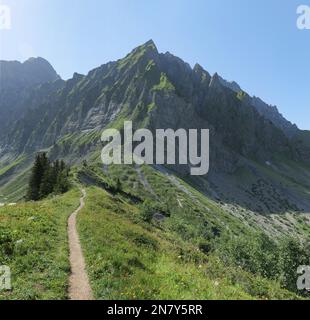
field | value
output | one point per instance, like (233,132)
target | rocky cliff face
(267,111)
(272,113)
(153,89)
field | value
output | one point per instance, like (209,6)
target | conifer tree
(47,178)
(39,167)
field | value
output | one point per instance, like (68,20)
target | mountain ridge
(176,69)
(159,90)
(268,111)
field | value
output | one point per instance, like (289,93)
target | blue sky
(254,42)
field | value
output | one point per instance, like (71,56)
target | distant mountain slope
(17,80)
(32,72)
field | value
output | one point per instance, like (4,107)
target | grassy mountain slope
(33,243)
(14,175)
(128,259)
(173,256)
(231,236)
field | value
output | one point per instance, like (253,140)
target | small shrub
(143,240)
(7,242)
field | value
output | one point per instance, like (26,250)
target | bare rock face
(272,113)
(267,111)
(152,89)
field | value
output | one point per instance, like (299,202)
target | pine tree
(62,166)
(62,184)
(48,182)
(47,178)
(56,167)
(39,167)
(118,186)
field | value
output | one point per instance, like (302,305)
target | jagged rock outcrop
(267,111)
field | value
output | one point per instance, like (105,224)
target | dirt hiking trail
(79,287)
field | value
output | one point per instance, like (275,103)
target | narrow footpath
(79,287)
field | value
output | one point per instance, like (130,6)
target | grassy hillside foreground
(128,259)
(33,243)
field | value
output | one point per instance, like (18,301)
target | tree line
(47,178)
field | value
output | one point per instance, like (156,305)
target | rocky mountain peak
(33,71)
(215,81)
(149,48)
(41,69)
(17,83)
